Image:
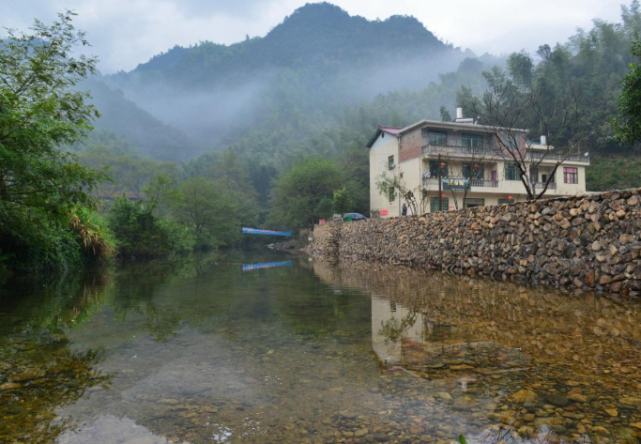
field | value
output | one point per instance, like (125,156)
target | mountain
(147,135)
(318,60)
(315,35)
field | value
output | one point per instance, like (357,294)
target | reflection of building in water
(403,336)
(507,364)
(394,326)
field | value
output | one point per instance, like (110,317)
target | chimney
(459,113)
(544,140)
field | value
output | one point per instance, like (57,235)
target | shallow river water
(213,350)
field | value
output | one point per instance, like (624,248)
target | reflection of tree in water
(392,329)
(39,372)
(543,367)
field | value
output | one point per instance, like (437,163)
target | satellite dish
(587,154)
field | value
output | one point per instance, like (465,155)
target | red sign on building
(384,213)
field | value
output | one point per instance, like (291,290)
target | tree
(445,114)
(343,202)
(208,212)
(461,177)
(627,124)
(141,234)
(41,187)
(299,193)
(417,199)
(507,107)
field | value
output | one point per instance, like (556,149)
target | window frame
(479,201)
(475,140)
(571,177)
(511,167)
(434,167)
(442,134)
(390,162)
(466,170)
(434,202)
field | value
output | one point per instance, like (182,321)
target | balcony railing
(481,183)
(458,151)
(535,156)
(541,185)
(486,152)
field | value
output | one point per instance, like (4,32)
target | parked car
(354,216)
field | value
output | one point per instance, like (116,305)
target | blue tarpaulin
(266,232)
(249,267)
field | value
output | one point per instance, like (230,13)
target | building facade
(463,158)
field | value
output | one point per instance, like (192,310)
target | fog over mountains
(189,101)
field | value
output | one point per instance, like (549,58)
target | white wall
(386,145)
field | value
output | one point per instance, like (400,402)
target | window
(472,140)
(437,138)
(506,201)
(434,169)
(473,202)
(434,204)
(391,193)
(390,162)
(512,172)
(511,141)
(473,171)
(570,175)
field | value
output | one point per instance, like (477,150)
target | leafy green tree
(343,202)
(141,234)
(41,187)
(209,212)
(300,190)
(627,124)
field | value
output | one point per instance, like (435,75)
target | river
(272,348)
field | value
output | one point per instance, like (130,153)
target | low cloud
(128,32)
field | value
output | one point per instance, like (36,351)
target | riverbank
(585,242)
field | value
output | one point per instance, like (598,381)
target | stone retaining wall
(590,241)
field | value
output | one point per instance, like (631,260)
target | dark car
(354,216)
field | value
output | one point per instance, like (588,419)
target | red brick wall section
(410,146)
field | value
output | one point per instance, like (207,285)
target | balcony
(457,183)
(487,152)
(466,152)
(541,185)
(574,158)
(482,183)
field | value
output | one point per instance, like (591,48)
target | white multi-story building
(469,165)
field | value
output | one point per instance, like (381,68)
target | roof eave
(454,125)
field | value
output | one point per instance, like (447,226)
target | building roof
(383,129)
(452,125)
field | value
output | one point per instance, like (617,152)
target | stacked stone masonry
(585,242)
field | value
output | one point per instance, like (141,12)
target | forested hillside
(320,82)
(149,136)
(300,74)
(269,132)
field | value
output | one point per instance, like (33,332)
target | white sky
(127,32)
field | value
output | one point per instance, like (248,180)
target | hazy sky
(127,32)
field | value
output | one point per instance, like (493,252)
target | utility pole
(440,185)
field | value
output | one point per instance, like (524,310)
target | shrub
(141,234)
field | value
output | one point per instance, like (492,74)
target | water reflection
(199,351)
(516,364)
(251,267)
(40,371)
